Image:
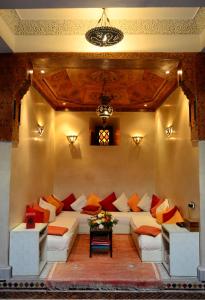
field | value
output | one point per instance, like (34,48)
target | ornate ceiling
(133,85)
(75,22)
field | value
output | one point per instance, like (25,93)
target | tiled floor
(169,283)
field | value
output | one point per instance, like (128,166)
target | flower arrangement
(103,219)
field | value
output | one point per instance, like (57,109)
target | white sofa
(149,248)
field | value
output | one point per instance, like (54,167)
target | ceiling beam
(102,3)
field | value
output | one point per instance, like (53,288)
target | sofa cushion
(57,230)
(148,230)
(163,206)
(133,202)
(143,218)
(65,219)
(145,202)
(176,218)
(50,207)
(121,203)
(91,209)
(46,213)
(68,201)
(153,210)
(79,203)
(93,200)
(107,203)
(57,203)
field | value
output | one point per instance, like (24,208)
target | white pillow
(121,203)
(79,203)
(50,207)
(163,206)
(145,202)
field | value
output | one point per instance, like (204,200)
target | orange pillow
(154,208)
(57,230)
(93,200)
(148,230)
(175,218)
(133,201)
(57,203)
(59,210)
(46,212)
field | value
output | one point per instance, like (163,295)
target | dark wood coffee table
(100,240)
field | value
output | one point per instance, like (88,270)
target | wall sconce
(169,131)
(71,139)
(192,205)
(137,139)
(179,76)
(40,129)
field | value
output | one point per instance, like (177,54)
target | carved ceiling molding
(79,27)
(14,83)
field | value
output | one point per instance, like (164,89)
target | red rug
(124,269)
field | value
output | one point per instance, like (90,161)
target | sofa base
(62,255)
(152,255)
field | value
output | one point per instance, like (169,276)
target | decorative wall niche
(104,134)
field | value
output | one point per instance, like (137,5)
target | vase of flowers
(102,220)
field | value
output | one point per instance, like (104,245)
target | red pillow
(68,201)
(168,215)
(39,216)
(155,200)
(91,207)
(107,203)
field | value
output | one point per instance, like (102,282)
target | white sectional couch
(149,248)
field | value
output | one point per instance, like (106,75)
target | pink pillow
(107,203)
(68,201)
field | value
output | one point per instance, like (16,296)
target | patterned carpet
(124,269)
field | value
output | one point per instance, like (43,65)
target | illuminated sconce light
(71,139)
(40,129)
(137,139)
(179,76)
(169,131)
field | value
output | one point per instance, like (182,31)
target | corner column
(5,171)
(201,268)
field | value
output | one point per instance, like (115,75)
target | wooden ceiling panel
(79,88)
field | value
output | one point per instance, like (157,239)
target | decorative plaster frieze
(79,27)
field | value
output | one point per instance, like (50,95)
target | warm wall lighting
(179,76)
(137,139)
(169,131)
(71,138)
(40,129)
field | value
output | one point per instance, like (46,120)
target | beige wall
(176,174)
(103,169)
(33,158)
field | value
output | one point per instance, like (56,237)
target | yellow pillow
(133,201)
(93,200)
(176,218)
